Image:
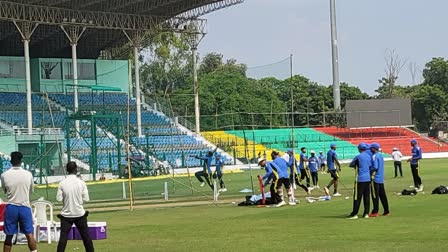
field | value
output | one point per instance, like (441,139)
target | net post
(165,190)
(124,191)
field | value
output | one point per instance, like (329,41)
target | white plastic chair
(42,219)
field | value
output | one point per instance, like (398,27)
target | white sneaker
(202,184)
(355,217)
(282,203)
(310,188)
(220,190)
(366,216)
(327,191)
(224,190)
(292,202)
(318,187)
(337,195)
(420,189)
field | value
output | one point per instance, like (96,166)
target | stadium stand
(166,141)
(387,137)
(280,139)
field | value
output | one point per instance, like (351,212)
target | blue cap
(413,141)
(289,150)
(376,146)
(333,145)
(218,155)
(362,146)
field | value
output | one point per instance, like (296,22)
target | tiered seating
(13,111)
(387,137)
(95,99)
(267,140)
(175,147)
(40,119)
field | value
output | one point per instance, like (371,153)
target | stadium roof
(104,20)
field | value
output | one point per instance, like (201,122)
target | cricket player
(206,172)
(218,172)
(378,193)
(361,163)
(313,164)
(415,165)
(17,184)
(321,158)
(283,180)
(304,171)
(333,167)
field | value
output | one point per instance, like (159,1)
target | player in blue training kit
(378,193)
(294,172)
(218,173)
(313,164)
(304,172)
(270,177)
(415,165)
(283,179)
(333,167)
(321,158)
(206,172)
(362,164)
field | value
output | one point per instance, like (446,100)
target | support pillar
(335,58)
(26,30)
(136,39)
(196,32)
(73,34)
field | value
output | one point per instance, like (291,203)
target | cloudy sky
(260,32)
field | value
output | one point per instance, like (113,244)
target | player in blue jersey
(378,193)
(218,172)
(206,172)
(313,165)
(304,171)
(270,177)
(321,158)
(283,179)
(333,168)
(361,163)
(415,165)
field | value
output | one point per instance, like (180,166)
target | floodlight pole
(136,38)
(335,59)
(196,32)
(26,30)
(73,34)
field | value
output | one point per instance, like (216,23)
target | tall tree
(436,73)
(394,65)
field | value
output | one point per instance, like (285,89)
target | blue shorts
(16,216)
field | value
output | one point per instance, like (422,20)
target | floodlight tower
(196,31)
(335,59)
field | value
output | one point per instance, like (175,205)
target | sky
(261,32)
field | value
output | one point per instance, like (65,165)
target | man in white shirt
(396,154)
(73,193)
(17,184)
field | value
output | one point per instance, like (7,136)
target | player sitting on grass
(361,163)
(333,167)
(283,180)
(379,193)
(218,173)
(312,165)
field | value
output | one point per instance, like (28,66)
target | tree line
(231,100)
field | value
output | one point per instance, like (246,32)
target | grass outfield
(417,223)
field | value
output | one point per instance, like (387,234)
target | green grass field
(417,223)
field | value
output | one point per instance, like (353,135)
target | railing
(39,131)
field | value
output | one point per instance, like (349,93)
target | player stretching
(362,164)
(206,168)
(283,180)
(333,167)
(218,173)
(271,176)
(379,193)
